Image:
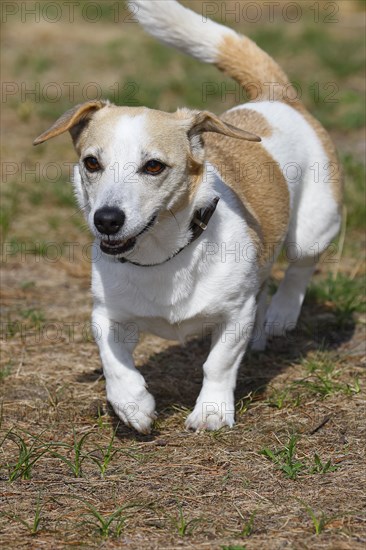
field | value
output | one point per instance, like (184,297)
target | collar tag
(200,223)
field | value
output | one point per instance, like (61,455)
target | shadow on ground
(174,375)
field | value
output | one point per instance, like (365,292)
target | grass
(75,461)
(34,315)
(30,320)
(63,194)
(28,451)
(48,250)
(282,398)
(106,454)
(355,175)
(33,526)
(342,294)
(105,524)
(70,474)
(320,376)
(8,209)
(338,59)
(248,524)
(183,525)
(58,192)
(37,64)
(319,521)
(25,456)
(321,467)
(287,461)
(5,371)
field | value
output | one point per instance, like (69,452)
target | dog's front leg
(215,405)
(125,386)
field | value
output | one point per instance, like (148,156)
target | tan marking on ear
(101,126)
(197,124)
(256,179)
(69,119)
(204,121)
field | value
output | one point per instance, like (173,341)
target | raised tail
(234,54)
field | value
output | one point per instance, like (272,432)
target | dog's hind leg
(259,337)
(284,309)
(311,230)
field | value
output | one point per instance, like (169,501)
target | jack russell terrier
(189,211)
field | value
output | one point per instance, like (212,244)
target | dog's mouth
(115,247)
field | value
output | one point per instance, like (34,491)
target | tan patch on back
(252,121)
(255,178)
(241,59)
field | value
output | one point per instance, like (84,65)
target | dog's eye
(91,164)
(154,167)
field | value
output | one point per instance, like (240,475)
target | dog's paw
(281,318)
(137,409)
(212,412)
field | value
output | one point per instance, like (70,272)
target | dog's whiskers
(174,216)
(79,210)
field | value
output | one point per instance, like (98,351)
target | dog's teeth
(112,244)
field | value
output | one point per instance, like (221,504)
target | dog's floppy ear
(199,122)
(73,120)
(204,121)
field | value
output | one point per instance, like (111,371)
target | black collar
(197,226)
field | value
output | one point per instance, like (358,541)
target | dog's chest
(170,303)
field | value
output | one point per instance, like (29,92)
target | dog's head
(135,164)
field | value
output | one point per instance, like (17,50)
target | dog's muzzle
(109,220)
(115,247)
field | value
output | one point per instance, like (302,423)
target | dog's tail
(234,54)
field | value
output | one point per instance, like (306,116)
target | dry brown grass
(187,490)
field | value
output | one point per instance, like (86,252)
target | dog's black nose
(109,220)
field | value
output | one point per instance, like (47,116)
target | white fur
(214,285)
(193,33)
(199,291)
(296,148)
(307,170)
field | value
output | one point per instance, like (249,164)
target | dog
(189,211)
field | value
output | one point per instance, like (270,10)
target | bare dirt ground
(291,473)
